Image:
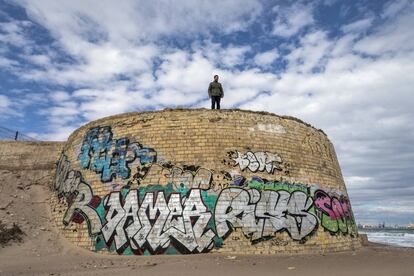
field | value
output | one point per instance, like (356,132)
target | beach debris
(10,234)
(291,267)
(150,264)
(231,257)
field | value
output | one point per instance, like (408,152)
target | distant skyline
(346,67)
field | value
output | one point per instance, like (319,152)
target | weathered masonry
(196,181)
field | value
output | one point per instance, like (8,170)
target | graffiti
(111,158)
(188,177)
(155,222)
(163,208)
(258,161)
(200,179)
(71,186)
(66,180)
(83,205)
(262,214)
(335,214)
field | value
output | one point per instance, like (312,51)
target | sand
(44,251)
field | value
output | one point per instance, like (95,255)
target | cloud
(394,35)
(8,108)
(393,8)
(265,59)
(7,63)
(291,19)
(4,105)
(12,33)
(122,39)
(358,26)
(140,20)
(311,54)
(353,78)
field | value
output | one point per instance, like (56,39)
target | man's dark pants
(215,100)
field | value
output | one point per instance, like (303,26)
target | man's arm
(209,90)
(222,92)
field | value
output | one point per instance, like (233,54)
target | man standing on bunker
(215,92)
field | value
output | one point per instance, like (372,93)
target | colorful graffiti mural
(158,220)
(170,209)
(111,158)
(336,214)
(262,214)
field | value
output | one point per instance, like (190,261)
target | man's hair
(215,76)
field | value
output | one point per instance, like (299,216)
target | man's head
(216,77)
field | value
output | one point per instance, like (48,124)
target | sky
(346,67)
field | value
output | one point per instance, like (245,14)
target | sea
(395,237)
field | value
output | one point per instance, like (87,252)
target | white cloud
(395,35)
(358,26)
(7,108)
(4,103)
(122,38)
(265,59)
(7,63)
(232,56)
(393,8)
(312,52)
(291,19)
(97,103)
(39,59)
(13,33)
(59,96)
(136,20)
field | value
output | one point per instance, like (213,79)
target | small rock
(291,267)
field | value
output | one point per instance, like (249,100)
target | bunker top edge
(135,113)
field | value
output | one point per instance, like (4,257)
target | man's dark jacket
(215,89)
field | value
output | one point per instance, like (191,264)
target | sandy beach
(371,260)
(44,251)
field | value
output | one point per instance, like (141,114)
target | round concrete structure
(194,181)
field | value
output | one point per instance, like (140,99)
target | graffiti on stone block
(64,183)
(167,208)
(158,220)
(199,179)
(186,176)
(335,213)
(83,208)
(111,158)
(257,161)
(78,194)
(261,214)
